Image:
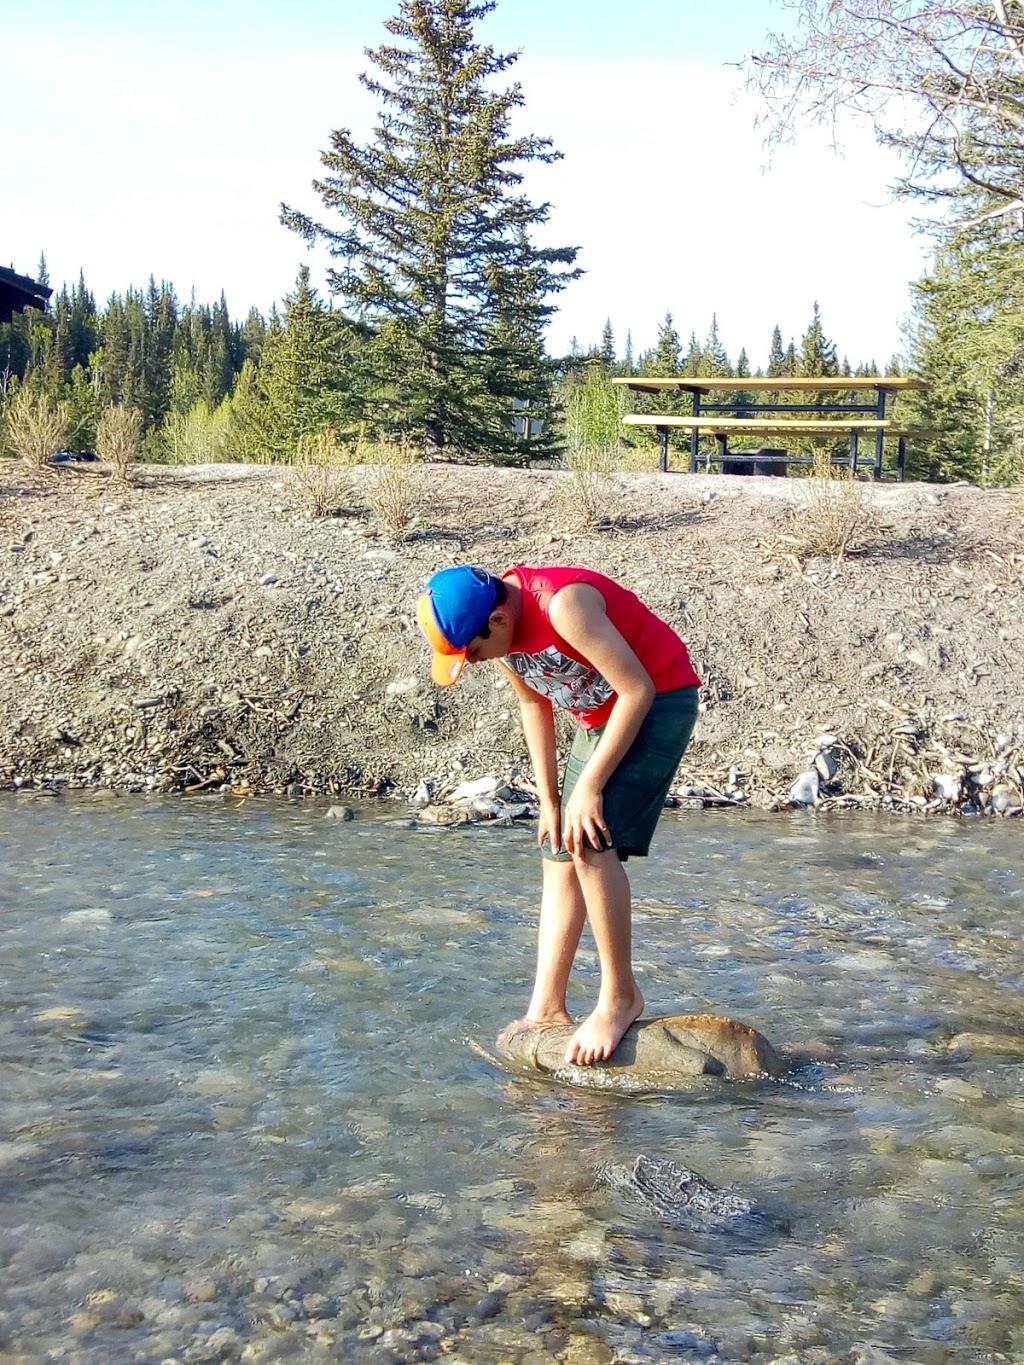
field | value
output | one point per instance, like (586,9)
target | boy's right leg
(562,914)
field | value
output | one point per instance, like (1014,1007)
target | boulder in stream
(663,1053)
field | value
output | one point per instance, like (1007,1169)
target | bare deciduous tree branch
(943,84)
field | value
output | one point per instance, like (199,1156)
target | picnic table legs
(879,435)
(695,435)
(879,438)
(663,449)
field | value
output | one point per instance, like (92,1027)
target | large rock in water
(654,1054)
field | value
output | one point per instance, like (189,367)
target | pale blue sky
(161,142)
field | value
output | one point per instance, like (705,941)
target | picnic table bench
(775,415)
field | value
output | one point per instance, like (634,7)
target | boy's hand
(549,824)
(584,819)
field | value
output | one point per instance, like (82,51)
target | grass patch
(584,494)
(35,428)
(119,439)
(392,489)
(834,519)
(322,472)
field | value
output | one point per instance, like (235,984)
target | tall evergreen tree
(83,326)
(968,343)
(817,358)
(693,361)
(160,318)
(714,359)
(742,372)
(817,353)
(664,359)
(628,362)
(435,229)
(306,374)
(776,356)
(608,347)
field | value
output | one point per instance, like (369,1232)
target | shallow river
(241,1119)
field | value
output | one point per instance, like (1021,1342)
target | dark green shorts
(635,793)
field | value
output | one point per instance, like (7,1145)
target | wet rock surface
(202,632)
(655,1054)
(678,1195)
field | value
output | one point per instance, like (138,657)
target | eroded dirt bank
(202,631)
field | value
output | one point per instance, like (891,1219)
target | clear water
(241,1119)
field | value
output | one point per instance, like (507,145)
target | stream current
(241,1118)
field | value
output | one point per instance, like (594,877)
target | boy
(573,638)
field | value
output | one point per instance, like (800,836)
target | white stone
(947,785)
(400,687)
(804,791)
(480,786)
(1005,800)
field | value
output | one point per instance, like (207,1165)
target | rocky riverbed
(203,630)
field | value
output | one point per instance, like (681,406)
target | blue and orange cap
(451,611)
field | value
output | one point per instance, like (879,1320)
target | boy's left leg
(608,900)
(633,801)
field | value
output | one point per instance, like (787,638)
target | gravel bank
(201,630)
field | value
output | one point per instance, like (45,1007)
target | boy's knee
(595,859)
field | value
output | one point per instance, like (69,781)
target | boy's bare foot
(601,1032)
(524,1024)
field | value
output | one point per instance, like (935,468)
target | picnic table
(850,406)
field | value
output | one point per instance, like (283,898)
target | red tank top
(545,663)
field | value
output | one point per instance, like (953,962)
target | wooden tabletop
(753,425)
(822,384)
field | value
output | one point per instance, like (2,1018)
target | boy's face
(498,641)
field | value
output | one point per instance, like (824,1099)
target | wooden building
(18,292)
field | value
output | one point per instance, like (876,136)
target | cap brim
(446,669)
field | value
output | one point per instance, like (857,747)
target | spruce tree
(83,326)
(608,347)
(776,356)
(433,249)
(307,371)
(112,357)
(968,343)
(714,360)
(665,357)
(817,353)
(742,372)
(693,363)
(160,314)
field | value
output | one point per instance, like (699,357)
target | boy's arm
(539,732)
(578,614)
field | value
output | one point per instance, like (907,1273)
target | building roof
(18,292)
